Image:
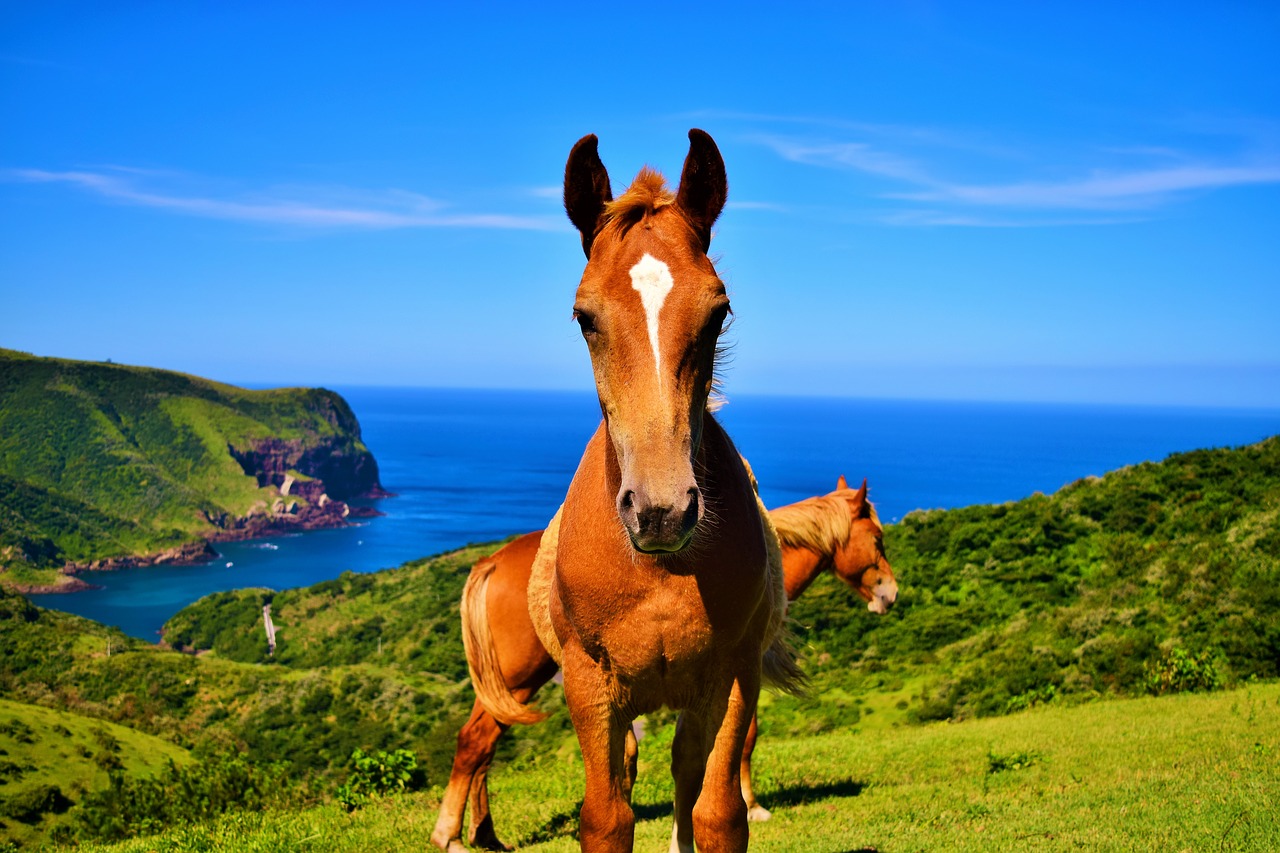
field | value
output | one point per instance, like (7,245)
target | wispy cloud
(861,156)
(13,59)
(906,163)
(923,218)
(386,210)
(1106,191)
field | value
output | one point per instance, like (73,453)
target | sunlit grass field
(1185,772)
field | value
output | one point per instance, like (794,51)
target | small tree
(378,772)
(1179,671)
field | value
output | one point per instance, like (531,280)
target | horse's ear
(586,189)
(703,185)
(842,483)
(862,497)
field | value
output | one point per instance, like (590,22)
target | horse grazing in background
(838,532)
(665,585)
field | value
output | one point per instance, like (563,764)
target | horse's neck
(800,568)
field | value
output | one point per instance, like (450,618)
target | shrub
(1178,671)
(997,763)
(222,783)
(379,772)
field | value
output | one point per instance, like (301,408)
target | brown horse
(662,587)
(839,532)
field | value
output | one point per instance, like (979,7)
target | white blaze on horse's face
(653,361)
(652,279)
(651,314)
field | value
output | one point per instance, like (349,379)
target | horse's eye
(586,322)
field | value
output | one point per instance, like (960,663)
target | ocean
(474,466)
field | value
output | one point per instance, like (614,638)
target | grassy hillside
(1090,591)
(1188,772)
(1160,577)
(50,759)
(223,711)
(102,461)
(1082,593)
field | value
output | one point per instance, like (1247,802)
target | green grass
(41,747)
(1185,772)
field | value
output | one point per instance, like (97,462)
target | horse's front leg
(706,765)
(755,811)
(606,823)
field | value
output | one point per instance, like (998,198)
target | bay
(477,465)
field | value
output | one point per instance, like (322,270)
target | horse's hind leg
(688,764)
(482,835)
(477,742)
(755,811)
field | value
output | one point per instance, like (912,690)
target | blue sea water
(473,466)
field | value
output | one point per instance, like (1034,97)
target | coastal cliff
(104,466)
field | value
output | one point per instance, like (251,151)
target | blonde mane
(647,195)
(820,524)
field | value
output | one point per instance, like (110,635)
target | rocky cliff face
(344,470)
(106,465)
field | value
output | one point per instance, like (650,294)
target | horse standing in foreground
(662,590)
(838,532)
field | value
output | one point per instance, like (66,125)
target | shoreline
(333,515)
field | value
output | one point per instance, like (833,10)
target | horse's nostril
(690,517)
(628,499)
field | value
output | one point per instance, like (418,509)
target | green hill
(50,759)
(103,465)
(223,711)
(1083,593)
(1162,577)
(1188,772)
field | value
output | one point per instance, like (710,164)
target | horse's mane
(647,195)
(820,524)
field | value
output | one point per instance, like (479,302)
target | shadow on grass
(566,822)
(561,823)
(799,795)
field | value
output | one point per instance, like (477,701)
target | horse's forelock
(647,195)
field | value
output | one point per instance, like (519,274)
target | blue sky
(1068,202)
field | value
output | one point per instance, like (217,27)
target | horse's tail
(482,658)
(780,670)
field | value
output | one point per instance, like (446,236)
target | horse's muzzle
(657,527)
(883,596)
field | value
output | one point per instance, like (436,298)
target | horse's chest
(664,630)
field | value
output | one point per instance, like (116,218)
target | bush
(379,772)
(222,783)
(31,805)
(1179,671)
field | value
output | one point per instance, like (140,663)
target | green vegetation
(310,719)
(1184,772)
(379,772)
(182,795)
(1057,598)
(1160,578)
(102,461)
(50,759)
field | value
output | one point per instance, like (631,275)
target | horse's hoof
(758,813)
(448,845)
(489,841)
